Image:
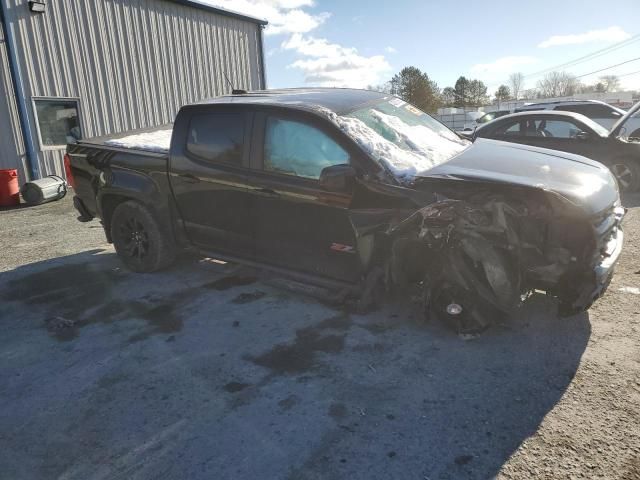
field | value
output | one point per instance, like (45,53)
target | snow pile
(154,141)
(425,148)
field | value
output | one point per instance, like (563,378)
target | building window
(58,122)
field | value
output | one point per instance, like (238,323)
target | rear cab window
(217,137)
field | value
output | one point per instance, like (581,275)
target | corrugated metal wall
(132,63)
(12,154)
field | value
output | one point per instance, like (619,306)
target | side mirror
(338,178)
(583,135)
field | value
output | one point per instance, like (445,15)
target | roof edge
(219,10)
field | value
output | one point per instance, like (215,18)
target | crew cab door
(298,225)
(208,172)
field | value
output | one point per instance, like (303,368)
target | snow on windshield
(407,150)
(154,141)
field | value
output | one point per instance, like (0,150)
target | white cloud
(323,63)
(390,50)
(333,65)
(606,35)
(502,65)
(284,16)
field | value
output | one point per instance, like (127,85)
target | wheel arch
(633,165)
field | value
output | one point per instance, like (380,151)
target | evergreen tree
(462,91)
(503,93)
(416,88)
(477,93)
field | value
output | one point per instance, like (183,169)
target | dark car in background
(617,148)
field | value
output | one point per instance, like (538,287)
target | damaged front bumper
(482,263)
(600,278)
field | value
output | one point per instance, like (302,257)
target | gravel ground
(214,371)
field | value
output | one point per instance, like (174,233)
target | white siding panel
(132,63)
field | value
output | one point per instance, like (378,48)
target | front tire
(627,173)
(139,240)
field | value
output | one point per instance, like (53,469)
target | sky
(356,43)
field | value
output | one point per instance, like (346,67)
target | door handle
(188,178)
(267,191)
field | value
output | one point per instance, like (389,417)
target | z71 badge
(339,247)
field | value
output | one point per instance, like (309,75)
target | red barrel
(9,189)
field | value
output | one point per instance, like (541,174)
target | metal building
(81,68)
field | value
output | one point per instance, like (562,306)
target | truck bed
(139,155)
(154,139)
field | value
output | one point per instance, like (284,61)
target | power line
(627,74)
(607,68)
(590,56)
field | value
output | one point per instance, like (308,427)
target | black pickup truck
(357,191)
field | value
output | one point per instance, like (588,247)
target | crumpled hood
(580,180)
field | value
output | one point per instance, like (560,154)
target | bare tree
(611,83)
(558,84)
(516,82)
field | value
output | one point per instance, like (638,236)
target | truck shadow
(631,200)
(381,396)
(426,404)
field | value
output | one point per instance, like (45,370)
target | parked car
(600,112)
(356,191)
(575,133)
(486,118)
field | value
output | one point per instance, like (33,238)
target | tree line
(416,87)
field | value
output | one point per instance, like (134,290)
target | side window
(602,111)
(581,109)
(217,137)
(295,148)
(591,110)
(557,128)
(510,129)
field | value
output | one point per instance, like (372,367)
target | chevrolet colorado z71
(357,191)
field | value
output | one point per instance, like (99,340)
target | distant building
(81,68)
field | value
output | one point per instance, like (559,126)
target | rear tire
(139,240)
(627,173)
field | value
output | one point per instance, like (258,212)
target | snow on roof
(158,141)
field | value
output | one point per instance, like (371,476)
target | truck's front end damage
(478,260)
(484,224)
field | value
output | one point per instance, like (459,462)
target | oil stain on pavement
(300,356)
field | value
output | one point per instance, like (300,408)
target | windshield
(401,137)
(487,117)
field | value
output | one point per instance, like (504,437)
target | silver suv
(600,112)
